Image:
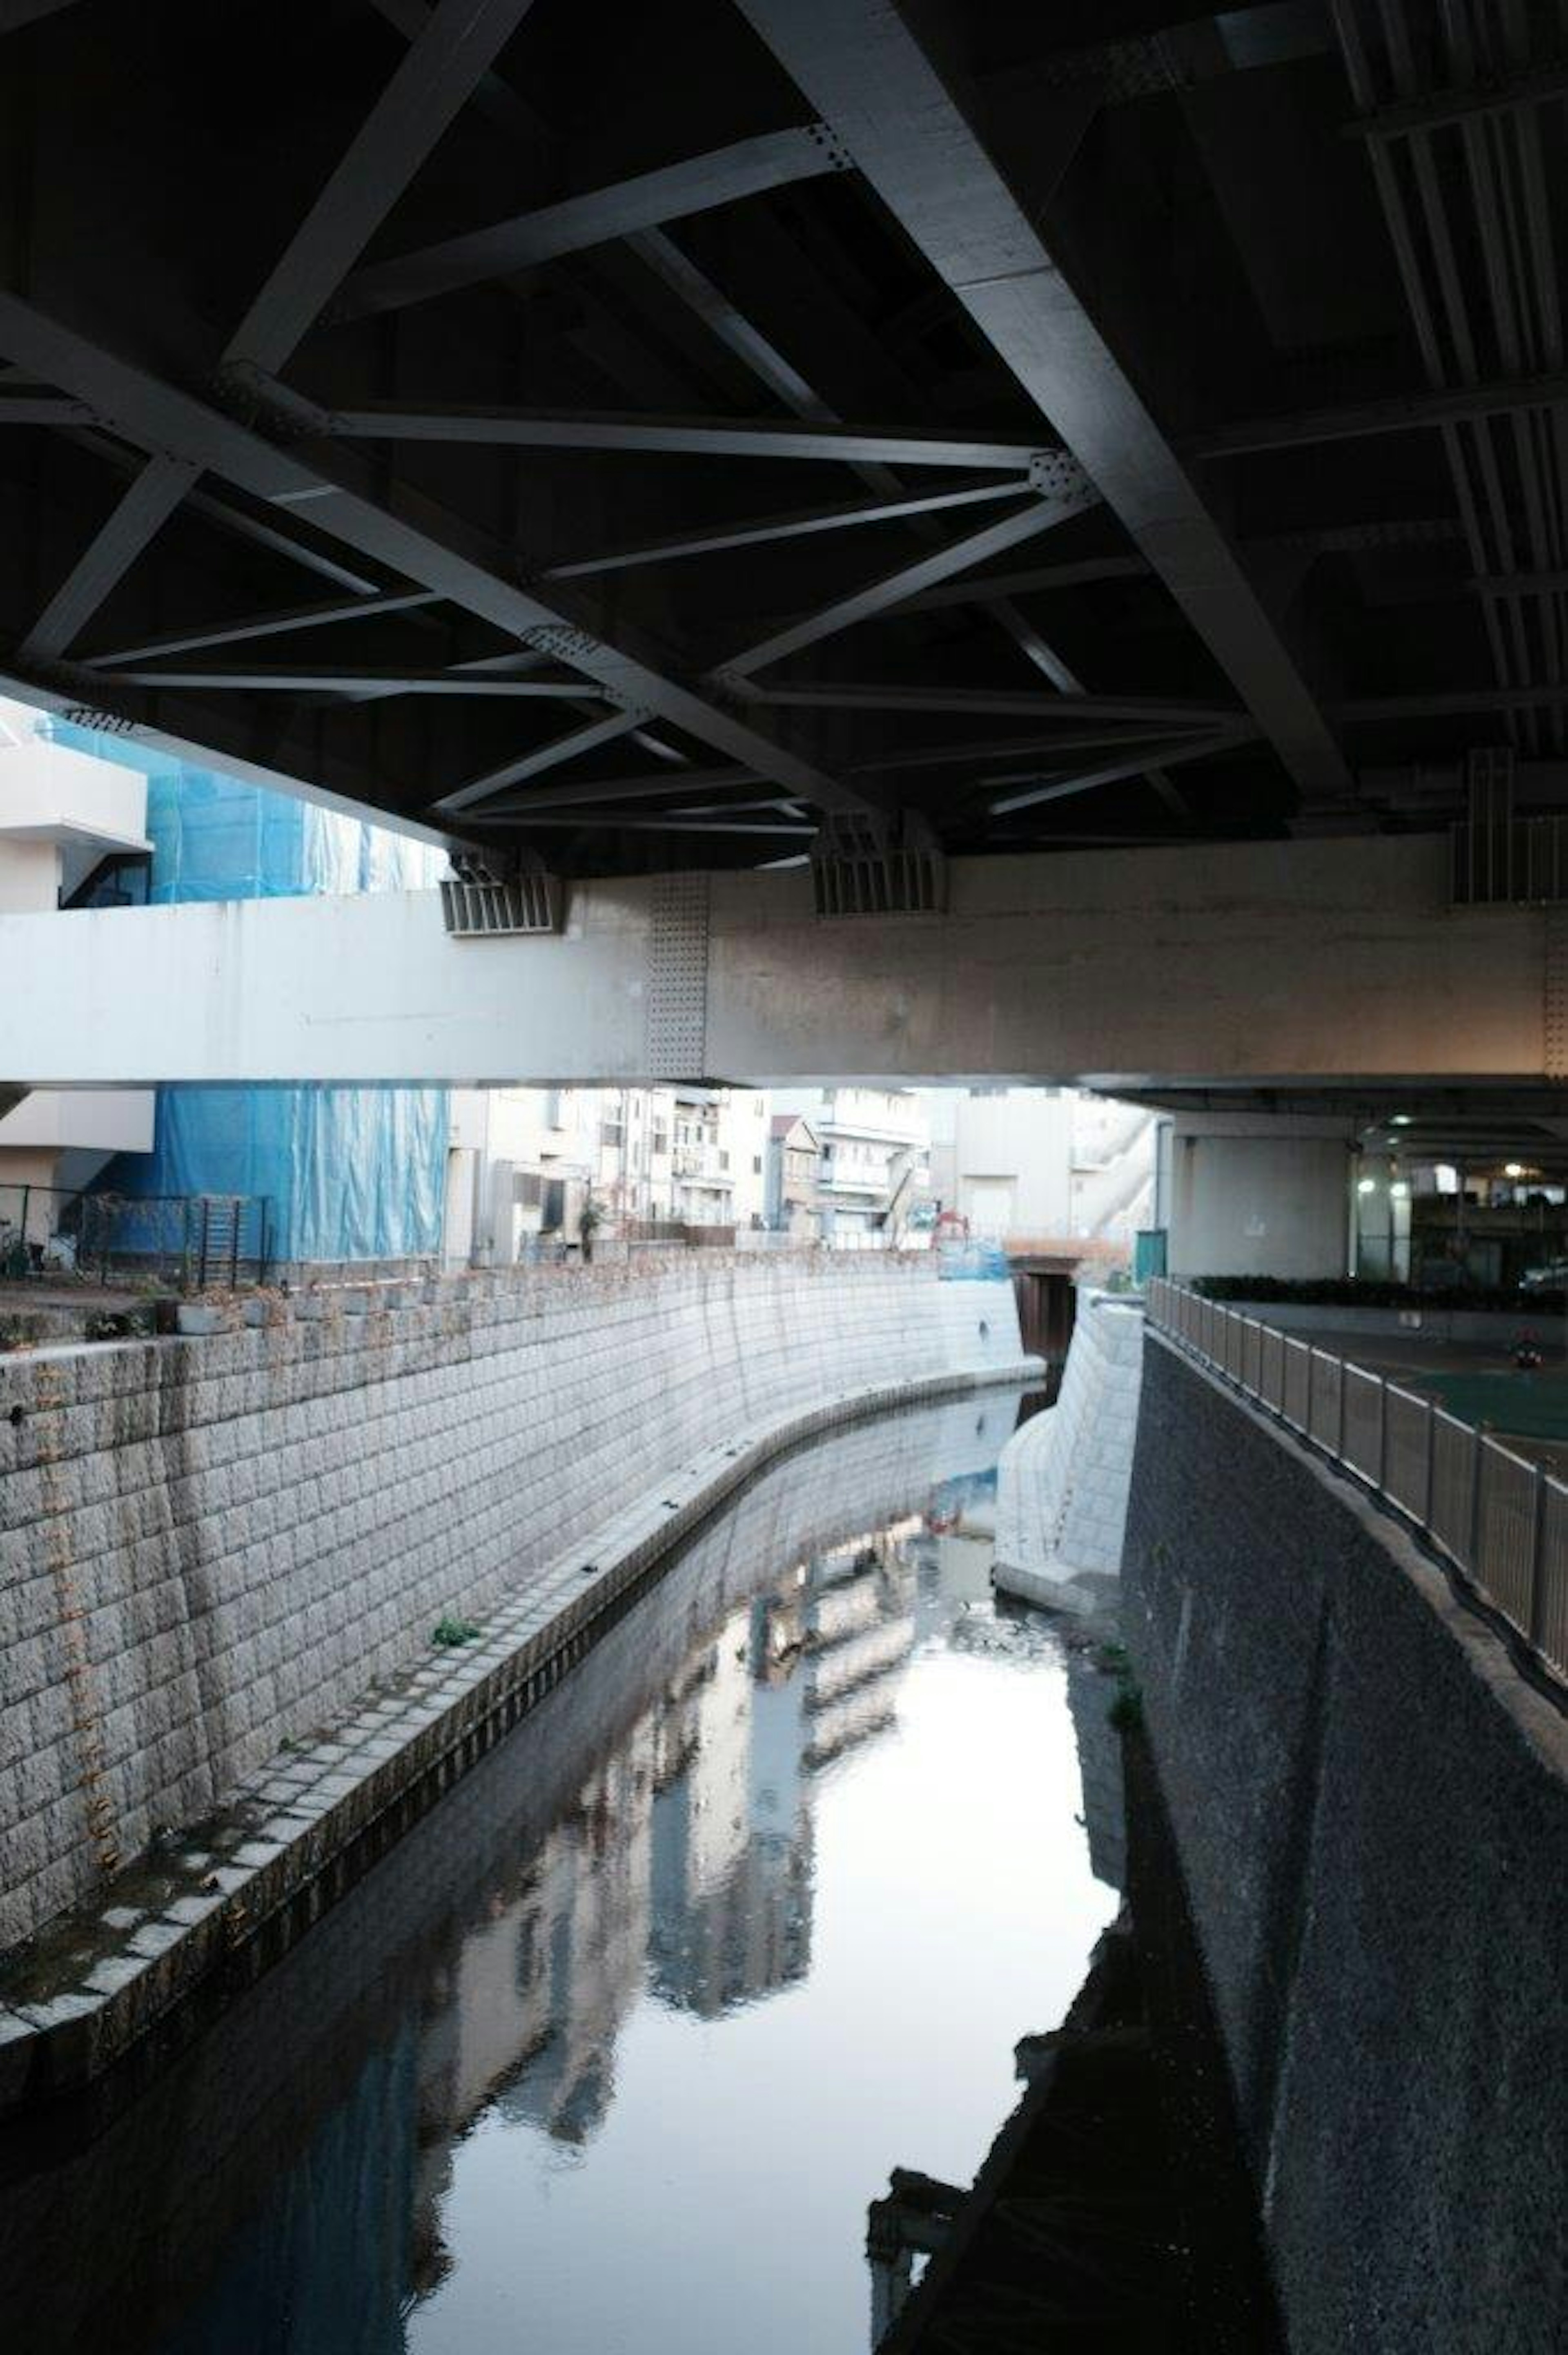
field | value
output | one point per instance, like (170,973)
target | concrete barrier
(1370,1806)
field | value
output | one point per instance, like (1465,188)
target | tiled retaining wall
(209,1545)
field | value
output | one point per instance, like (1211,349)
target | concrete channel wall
(1371,1808)
(210,1547)
(1063,1481)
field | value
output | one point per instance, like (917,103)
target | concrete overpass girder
(1263,961)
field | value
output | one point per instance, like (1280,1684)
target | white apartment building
(721,1156)
(523,1163)
(874,1150)
(61,812)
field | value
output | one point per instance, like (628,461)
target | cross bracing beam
(597,791)
(281,681)
(264,626)
(1403,413)
(860,68)
(239,523)
(846,517)
(611,819)
(161,417)
(984,752)
(553,756)
(753,349)
(1168,755)
(1066,492)
(708,437)
(1003,703)
(728,324)
(454,47)
(675,191)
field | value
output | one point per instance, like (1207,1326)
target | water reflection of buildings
(684,1865)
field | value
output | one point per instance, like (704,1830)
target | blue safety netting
(348,1173)
(973,1262)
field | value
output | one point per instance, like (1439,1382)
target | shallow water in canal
(615,2050)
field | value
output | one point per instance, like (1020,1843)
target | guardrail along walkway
(1501,1521)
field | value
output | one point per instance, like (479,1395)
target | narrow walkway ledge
(231,1897)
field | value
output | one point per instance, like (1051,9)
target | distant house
(794,1154)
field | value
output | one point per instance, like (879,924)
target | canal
(616,2049)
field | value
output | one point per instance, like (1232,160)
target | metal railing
(1501,1521)
(50,1233)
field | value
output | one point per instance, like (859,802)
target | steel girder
(458,44)
(202,439)
(859,64)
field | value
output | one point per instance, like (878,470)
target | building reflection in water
(683,1865)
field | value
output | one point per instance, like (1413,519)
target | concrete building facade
(794,1155)
(61,812)
(1041,1164)
(872,1156)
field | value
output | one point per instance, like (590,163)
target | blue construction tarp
(348,1173)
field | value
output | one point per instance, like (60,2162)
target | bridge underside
(632,433)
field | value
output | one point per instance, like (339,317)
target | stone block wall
(1371,1808)
(209,1545)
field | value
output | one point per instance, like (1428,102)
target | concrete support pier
(1259,1194)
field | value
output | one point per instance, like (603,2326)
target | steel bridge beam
(277,623)
(1042,513)
(453,49)
(281,681)
(545,757)
(1362,421)
(710,437)
(803,525)
(860,67)
(696,185)
(998,702)
(200,438)
(1168,753)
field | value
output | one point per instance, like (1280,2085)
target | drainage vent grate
(857,870)
(479,902)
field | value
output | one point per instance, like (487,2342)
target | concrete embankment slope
(214,1546)
(1371,1808)
(1063,1481)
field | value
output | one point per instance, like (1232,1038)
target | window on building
(528,1189)
(756,1165)
(724,1161)
(611,1132)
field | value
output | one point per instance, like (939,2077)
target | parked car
(1552,1277)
